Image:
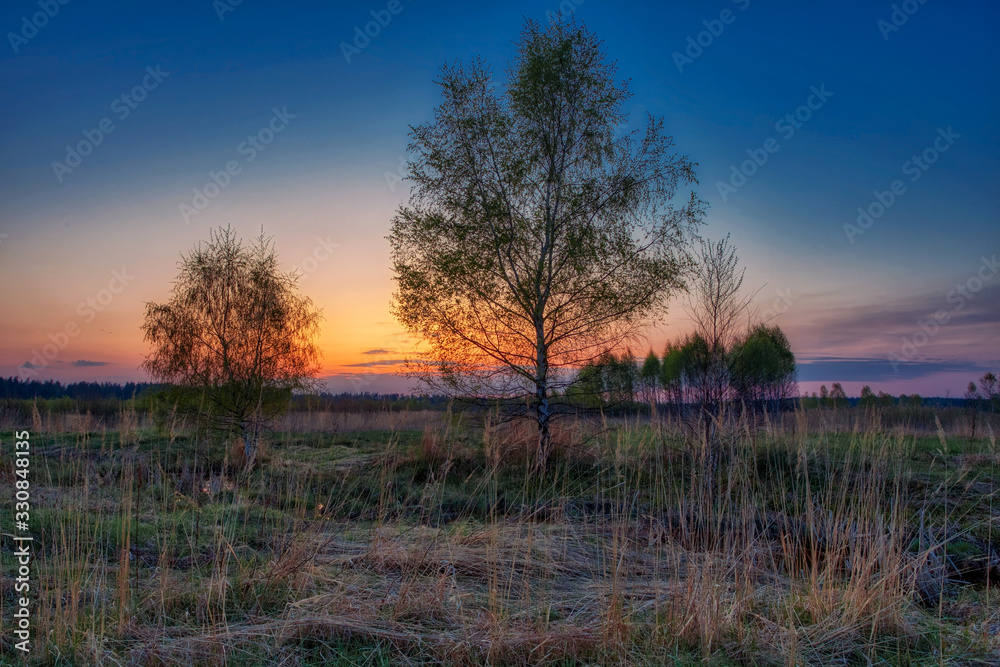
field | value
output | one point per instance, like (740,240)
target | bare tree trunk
(544,437)
(251,439)
(251,431)
(544,414)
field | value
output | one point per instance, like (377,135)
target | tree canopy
(762,366)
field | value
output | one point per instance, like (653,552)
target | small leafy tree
(621,377)
(587,390)
(990,390)
(650,378)
(672,376)
(235,334)
(867,399)
(762,367)
(972,406)
(697,364)
(838,398)
(608,381)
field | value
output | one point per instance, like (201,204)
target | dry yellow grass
(640,547)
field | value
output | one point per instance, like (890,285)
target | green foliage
(672,373)
(588,390)
(838,399)
(696,362)
(610,380)
(867,399)
(649,375)
(762,366)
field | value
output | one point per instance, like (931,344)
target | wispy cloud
(385,383)
(380,362)
(86,363)
(874,330)
(378,351)
(30,365)
(877,369)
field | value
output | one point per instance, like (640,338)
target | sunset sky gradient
(325,185)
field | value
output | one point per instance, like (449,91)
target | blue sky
(887,96)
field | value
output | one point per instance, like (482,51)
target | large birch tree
(540,230)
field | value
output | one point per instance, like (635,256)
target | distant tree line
(836,398)
(368,402)
(101,397)
(869,399)
(756,372)
(16,388)
(984,396)
(827,398)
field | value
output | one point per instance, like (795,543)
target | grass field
(418,538)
